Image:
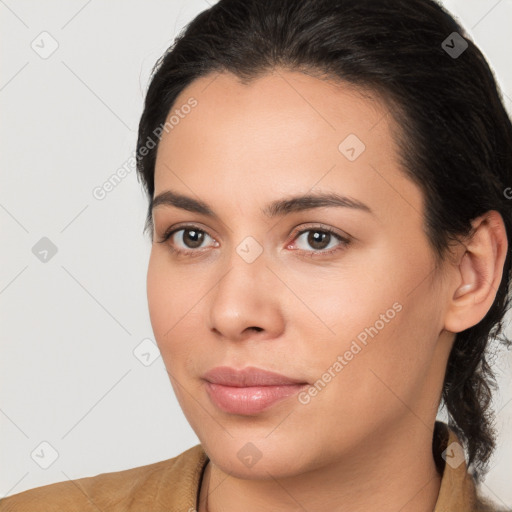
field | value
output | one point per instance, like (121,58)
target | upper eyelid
(174,229)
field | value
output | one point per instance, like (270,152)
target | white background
(69,376)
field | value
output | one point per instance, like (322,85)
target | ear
(477,273)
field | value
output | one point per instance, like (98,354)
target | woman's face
(356,315)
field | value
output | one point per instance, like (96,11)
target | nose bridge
(244,296)
(250,250)
(245,271)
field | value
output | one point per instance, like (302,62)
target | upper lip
(248,376)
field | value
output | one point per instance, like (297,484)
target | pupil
(196,238)
(318,237)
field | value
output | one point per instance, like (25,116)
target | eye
(322,239)
(189,240)
(186,239)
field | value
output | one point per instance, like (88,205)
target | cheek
(170,301)
(379,325)
(159,297)
(176,315)
(346,302)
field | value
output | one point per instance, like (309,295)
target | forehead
(307,107)
(286,130)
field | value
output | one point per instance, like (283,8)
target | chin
(257,458)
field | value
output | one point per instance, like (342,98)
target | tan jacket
(173,486)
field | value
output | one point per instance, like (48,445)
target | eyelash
(345,241)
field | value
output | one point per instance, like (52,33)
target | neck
(398,474)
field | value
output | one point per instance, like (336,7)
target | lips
(247,377)
(248,391)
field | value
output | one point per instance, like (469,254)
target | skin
(364,442)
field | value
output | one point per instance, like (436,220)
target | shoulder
(459,490)
(157,486)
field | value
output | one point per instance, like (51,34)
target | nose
(247,301)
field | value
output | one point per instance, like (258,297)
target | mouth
(249,391)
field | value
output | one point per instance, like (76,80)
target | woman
(328,207)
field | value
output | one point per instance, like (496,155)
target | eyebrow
(276,208)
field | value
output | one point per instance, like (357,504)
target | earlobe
(478,274)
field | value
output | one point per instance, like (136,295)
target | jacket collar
(457,491)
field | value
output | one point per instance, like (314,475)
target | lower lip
(249,400)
